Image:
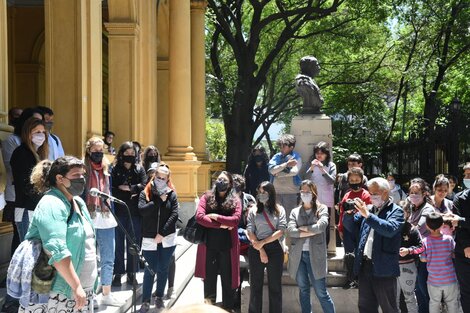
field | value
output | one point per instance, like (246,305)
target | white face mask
(377,200)
(391,183)
(416,199)
(306,197)
(466,182)
(38,139)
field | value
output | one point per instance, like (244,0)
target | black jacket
(159,217)
(22,163)
(462,234)
(135,178)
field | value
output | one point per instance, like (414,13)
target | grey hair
(382,183)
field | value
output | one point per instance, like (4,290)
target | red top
(361,194)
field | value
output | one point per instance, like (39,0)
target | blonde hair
(93,141)
(39,176)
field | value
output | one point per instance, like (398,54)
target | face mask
(391,183)
(416,199)
(258,158)
(355,187)
(151,159)
(376,200)
(466,182)
(77,186)
(221,185)
(49,125)
(128,159)
(263,198)
(38,139)
(306,197)
(160,184)
(96,157)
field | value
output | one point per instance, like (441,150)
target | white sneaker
(111,300)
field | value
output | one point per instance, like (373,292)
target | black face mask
(77,186)
(128,159)
(96,157)
(151,159)
(221,185)
(258,158)
(355,187)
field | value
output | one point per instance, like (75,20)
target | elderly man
(376,261)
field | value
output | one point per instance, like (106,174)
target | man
(377,253)
(466,176)
(284,168)
(108,141)
(13,116)
(461,224)
(55,145)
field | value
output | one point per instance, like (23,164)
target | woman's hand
(213,216)
(304,229)
(263,256)
(164,197)
(80,297)
(226,227)
(404,251)
(159,239)
(258,244)
(124,187)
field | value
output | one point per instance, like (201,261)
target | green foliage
(215,139)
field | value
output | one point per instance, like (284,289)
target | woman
(307,253)
(150,155)
(322,172)
(257,169)
(219,210)
(33,148)
(441,204)
(128,180)
(420,207)
(452,187)
(97,176)
(158,205)
(266,223)
(61,221)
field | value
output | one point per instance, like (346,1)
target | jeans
(448,294)
(159,262)
(105,242)
(120,238)
(23,226)
(274,271)
(406,282)
(306,280)
(422,294)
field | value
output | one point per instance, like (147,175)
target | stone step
(345,300)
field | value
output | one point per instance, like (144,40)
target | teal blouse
(59,238)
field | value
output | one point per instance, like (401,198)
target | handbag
(194,232)
(43,274)
(286,254)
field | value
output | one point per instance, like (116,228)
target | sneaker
(354,285)
(348,284)
(159,305)
(144,308)
(169,293)
(96,305)
(117,281)
(112,300)
(131,279)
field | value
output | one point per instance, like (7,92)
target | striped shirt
(438,253)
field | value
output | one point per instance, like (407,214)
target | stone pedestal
(309,129)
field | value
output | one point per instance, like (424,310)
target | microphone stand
(134,250)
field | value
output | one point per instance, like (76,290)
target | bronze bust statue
(306,86)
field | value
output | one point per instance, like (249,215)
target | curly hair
(227,204)
(43,176)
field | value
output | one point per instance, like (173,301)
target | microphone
(94,192)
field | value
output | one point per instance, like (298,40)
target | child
(438,253)
(355,178)
(411,246)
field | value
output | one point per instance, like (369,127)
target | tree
(253,34)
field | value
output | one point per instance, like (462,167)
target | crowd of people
(406,250)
